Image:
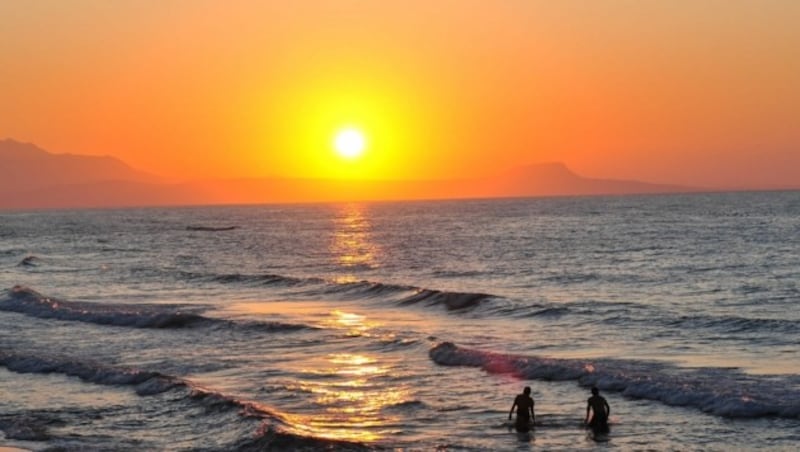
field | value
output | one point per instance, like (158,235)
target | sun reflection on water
(354,324)
(352,391)
(352,245)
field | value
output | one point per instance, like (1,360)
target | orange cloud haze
(699,93)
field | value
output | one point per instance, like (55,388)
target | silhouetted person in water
(600,412)
(525,416)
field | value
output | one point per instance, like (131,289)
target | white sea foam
(722,392)
(27,301)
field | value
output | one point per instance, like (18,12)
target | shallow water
(403,325)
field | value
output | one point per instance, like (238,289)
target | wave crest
(272,434)
(451,300)
(27,301)
(718,391)
(29,261)
(90,372)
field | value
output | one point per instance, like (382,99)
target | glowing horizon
(693,94)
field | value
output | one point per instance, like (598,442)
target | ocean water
(374,326)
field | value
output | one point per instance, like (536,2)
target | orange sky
(692,92)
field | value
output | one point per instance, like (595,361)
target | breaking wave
(718,391)
(27,301)
(147,383)
(451,300)
(254,280)
(409,295)
(400,294)
(274,431)
(29,261)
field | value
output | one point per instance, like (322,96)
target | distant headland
(34,178)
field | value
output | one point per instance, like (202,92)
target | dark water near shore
(403,325)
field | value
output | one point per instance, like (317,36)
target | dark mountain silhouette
(34,178)
(27,167)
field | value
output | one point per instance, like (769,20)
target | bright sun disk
(349,143)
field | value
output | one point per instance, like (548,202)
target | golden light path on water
(353,402)
(355,398)
(351,243)
(351,390)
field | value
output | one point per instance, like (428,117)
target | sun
(349,143)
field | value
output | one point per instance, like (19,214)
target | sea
(403,325)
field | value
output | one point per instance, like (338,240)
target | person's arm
(608,409)
(533,415)
(512,409)
(588,406)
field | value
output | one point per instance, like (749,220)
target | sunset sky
(698,92)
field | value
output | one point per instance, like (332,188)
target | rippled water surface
(403,325)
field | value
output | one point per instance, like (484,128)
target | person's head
(527,390)
(595,391)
